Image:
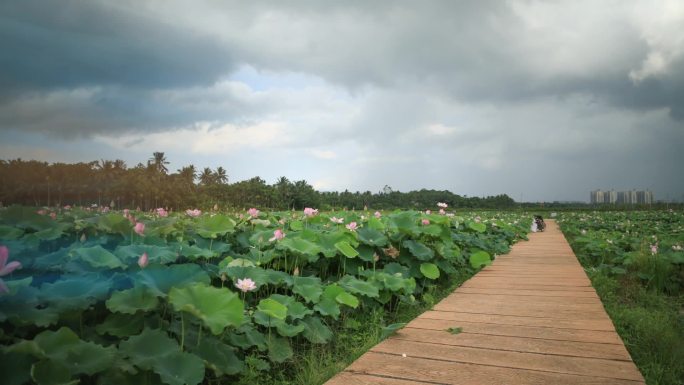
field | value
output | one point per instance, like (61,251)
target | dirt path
(530,318)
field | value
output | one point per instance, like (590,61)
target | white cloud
(323,154)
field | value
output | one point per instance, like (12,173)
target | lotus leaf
(217,308)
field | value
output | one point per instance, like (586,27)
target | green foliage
(640,286)
(170,320)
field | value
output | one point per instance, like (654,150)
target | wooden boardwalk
(532,317)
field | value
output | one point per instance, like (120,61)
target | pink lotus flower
(105,209)
(377,214)
(53,215)
(139,228)
(162,212)
(143,261)
(126,213)
(6,268)
(67,207)
(253,212)
(442,212)
(337,220)
(428,212)
(193,213)
(425,222)
(277,235)
(41,212)
(654,249)
(309,212)
(442,205)
(245,285)
(352,226)
(478,219)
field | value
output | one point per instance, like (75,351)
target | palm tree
(159,162)
(206,177)
(221,176)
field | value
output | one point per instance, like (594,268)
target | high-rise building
(596,196)
(642,197)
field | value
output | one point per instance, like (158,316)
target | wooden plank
(523,292)
(445,372)
(518,298)
(517,344)
(352,378)
(547,322)
(520,360)
(549,333)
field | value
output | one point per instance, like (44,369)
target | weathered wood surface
(531,317)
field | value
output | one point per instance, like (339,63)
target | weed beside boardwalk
(635,263)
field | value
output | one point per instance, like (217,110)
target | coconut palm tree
(220,175)
(159,162)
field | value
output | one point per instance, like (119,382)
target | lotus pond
(126,297)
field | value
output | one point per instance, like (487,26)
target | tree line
(151,185)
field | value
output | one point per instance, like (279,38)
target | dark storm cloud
(71,44)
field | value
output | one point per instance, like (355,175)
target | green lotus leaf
(390,329)
(217,308)
(357,286)
(346,249)
(75,291)
(419,250)
(371,236)
(155,254)
(15,368)
(477,226)
(315,331)
(48,372)
(272,308)
(296,225)
(429,270)
(289,330)
(375,224)
(247,336)
(99,258)
(9,232)
(179,368)
(300,246)
(479,259)
(308,287)
(195,253)
(279,349)
(147,347)
(219,356)
(160,279)
(256,274)
(63,347)
(132,300)
(113,223)
(347,299)
(121,325)
(49,234)
(405,222)
(213,226)
(432,229)
(328,307)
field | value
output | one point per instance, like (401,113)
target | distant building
(642,197)
(596,196)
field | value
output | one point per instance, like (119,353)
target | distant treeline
(151,185)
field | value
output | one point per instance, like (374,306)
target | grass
(650,323)
(315,364)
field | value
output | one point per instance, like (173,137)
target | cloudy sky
(540,100)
